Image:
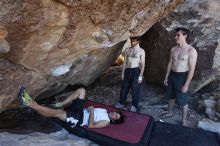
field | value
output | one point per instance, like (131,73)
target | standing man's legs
(125,87)
(170,93)
(184,114)
(135,89)
(170,106)
(169,112)
(182,98)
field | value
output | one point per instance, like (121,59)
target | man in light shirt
(74,112)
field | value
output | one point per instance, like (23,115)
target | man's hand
(90,108)
(140,79)
(184,88)
(165,82)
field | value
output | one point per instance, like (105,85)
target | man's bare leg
(79,93)
(47,112)
(184,114)
(170,109)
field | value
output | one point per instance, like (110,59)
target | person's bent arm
(142,57)
(124,65)
(100,124)
(142,63)
(192,65)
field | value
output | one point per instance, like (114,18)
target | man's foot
(119,105)
(167,115)
(57,105)
(133,109)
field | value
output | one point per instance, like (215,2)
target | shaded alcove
(156,54)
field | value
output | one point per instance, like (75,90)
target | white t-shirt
(99,115)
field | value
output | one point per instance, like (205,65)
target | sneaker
(119,105)
(20,95)
(24,96)
(21,92)
(133,109)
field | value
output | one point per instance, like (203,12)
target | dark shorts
(74,112)
(176,80)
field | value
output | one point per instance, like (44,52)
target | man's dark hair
(118,121)
(136,38)
(184,31)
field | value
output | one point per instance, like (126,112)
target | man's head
(116,117)
(134,41)
(181,35)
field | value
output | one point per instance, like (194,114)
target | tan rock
(55,43)
(4,45)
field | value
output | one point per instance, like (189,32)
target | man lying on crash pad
(74,112)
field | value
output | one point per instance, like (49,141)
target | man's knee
(82,93)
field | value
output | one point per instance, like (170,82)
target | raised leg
(79,93)
(47,112)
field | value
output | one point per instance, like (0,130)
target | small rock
(209,126)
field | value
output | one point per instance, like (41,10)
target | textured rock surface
(54,43)
(209,126)
(41,139)
(202,19)
(218,105)
(4,46)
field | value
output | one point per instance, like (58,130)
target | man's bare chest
(179,55)
(133,53)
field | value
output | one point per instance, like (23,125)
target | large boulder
(54,43)
(203,19)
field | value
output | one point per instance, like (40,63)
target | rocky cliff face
(46,45)
(202,19)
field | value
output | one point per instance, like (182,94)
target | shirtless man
(132,74)
(180,72)
(74,112)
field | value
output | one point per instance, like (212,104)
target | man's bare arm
(124,65)
(168,67)
(100,124)
(91,116)
(142,63)
(192,65)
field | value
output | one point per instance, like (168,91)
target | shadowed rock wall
(203,19)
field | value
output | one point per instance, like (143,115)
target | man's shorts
(176,80)
(74,112)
